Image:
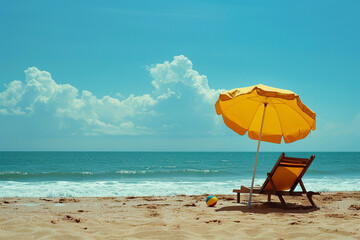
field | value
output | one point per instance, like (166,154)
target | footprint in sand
(151,207)
(190,205)
(71,219)
(354,207)
(67,200)
(154,214)
(47,200)
(130,197)
(214,221)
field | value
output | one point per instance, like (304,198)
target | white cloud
(166,95)
(106,115)
(109,115)
(4,112)
(170,74)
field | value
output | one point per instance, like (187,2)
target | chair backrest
(287,172)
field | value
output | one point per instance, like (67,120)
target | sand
(180,217)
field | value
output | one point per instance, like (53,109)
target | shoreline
(180,217)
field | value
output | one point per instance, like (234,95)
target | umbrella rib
(297,112)
(255,97)
(241,101)
(252,118)
(233,104)
(282,130)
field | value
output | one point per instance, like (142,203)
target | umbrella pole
(257,155)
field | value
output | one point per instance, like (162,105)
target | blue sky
(145,75)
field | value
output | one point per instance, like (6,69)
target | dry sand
(180,217)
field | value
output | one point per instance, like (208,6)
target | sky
(145,75)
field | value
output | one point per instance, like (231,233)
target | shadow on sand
(269,207)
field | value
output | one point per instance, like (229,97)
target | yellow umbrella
(267,114)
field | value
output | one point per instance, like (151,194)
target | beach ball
(211,201)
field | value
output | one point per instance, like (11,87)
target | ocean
(102,174)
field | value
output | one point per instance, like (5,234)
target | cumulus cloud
(180,71)
(108,115)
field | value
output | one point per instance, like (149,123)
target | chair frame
(285,162)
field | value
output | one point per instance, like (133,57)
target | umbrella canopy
(267,114)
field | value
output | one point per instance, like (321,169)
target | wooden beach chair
(283,179)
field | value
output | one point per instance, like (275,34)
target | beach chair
(283,179)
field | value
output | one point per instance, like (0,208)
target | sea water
(95,174)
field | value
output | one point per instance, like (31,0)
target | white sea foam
(332,184)
(28,204)
(151,188)
(129,172)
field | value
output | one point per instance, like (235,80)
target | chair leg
(275,191)
(269,197)
(281,199)
(309,196)
(238,198)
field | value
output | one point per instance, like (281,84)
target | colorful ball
(211,201)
